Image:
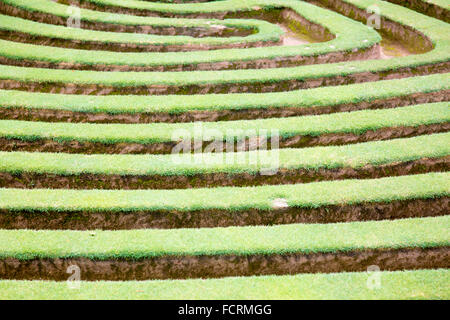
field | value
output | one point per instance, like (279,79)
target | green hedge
(298,238)
(317,97)
(351,35)
(266,32)
(231,198)
(357,122)
(347,156)
(417,284)
(437,30)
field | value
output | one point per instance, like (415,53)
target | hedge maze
(257,149)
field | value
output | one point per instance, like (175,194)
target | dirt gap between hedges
(213,218)
(55,115)
(217,266)
(88,181)
(247,144)
(429,9)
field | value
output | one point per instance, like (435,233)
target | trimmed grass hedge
(282,239)
(131,245)
(436,30)
(347,156)
(351,35)
(266,32)
(417,284)
(310,195)
(317,97)
(356,122)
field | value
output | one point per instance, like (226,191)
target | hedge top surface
(266,32)
(356,122)
(442,3)
(350,34)
(317,97)
(412,284)
(310,195)
(62,10)
(348,156)
(300,238)
(437,30)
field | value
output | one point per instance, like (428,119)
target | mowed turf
(173,104)
(417,285)
(410,98)
(282,239)
(436,30)
(357,122)
(310,195)
(333,157)
(334,22)
(264,32)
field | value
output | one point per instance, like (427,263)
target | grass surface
(310,195)
(356,122)
(442,3)
(351,35)
(280,239)
(265,32)
(299,238)
(347,156)
(317,97)
(437,30)
(418,284)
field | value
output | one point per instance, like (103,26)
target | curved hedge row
(359,177)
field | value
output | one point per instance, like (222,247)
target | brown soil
(424,7)
(216,266)
(50,115)
(212,218)
(31,180)
(392,49)
(229,88)
(292,39)
(298,141)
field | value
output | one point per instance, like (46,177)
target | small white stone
(280,203)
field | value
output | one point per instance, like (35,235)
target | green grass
(441,3)
(351,35)
(437,30)
(283,239)
(347,156)
(356,122)
(317,97)
(417,284)
(310,195)
(265,32)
